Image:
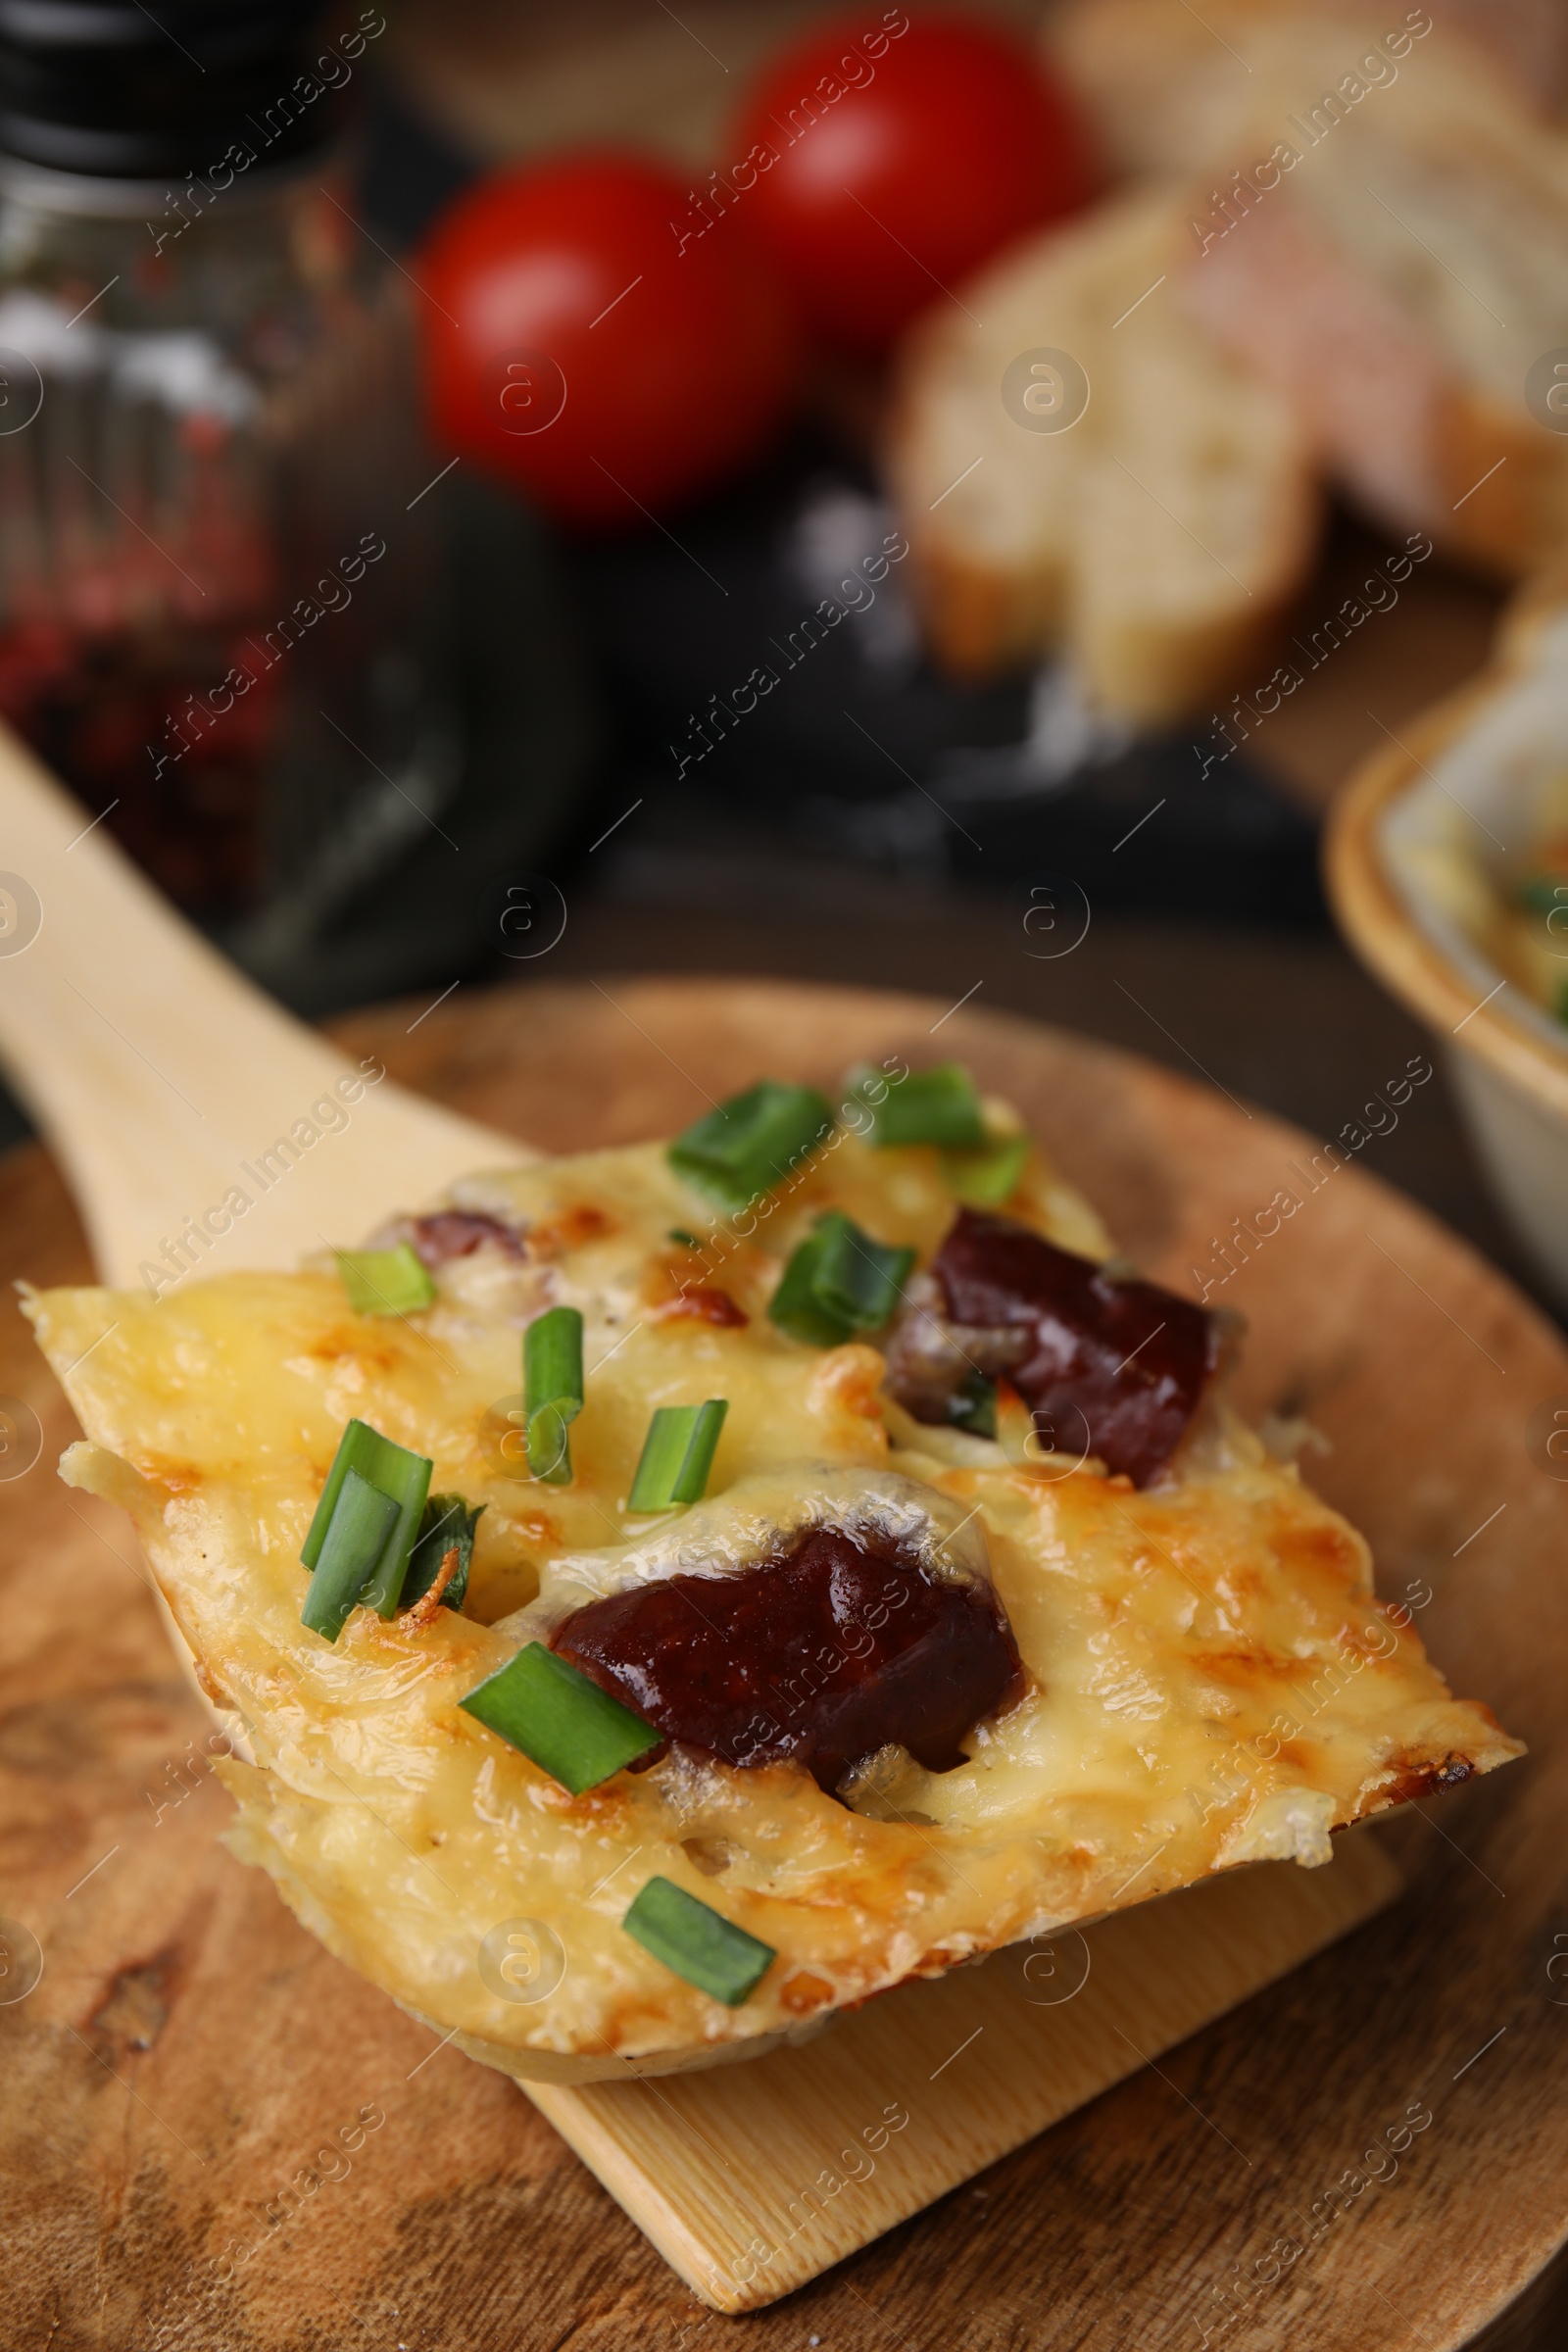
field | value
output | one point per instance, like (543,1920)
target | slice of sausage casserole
(741,1575)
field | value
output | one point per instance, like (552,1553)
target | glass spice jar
(221,533)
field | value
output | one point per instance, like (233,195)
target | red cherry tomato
(579,348)
(901,159)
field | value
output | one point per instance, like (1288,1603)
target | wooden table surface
(140,2144)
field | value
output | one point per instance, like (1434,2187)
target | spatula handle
(200,1126)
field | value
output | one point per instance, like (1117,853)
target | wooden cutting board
(215,2137)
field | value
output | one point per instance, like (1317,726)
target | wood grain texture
(189,2051)
(751,2179)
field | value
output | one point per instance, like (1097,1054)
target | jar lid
(116,90)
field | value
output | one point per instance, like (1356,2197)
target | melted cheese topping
(1209,1677)
(756,1519)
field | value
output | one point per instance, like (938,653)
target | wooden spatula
(163,1080)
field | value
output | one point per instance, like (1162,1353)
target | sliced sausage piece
(824,1654)
(1107,1366)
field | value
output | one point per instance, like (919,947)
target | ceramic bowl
(1414,843)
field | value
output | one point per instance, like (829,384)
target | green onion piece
(551,1385)
(393,1471)
(561,1720)
(385,1282)
(688,1241)
(699,1944)
(837,1281)
(448,1524)
(973,1405)
(362,1521)
(928,1107)
(677,1455)
(989,1177)
(1545,893)
(750,1143)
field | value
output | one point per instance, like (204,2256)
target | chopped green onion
(928,1107)
(448,1524)
(988,1177)
(837,1281)
(688,1241)
(1545,893)
(561,1720)
(552,1382)
(697,1942)
(395,1472)
(385,1282)
(750,1143)
(362,1521)
(973,1405)
(677,1454)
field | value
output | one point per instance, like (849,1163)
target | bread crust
(1078,539)
(977,619)
(1156,674)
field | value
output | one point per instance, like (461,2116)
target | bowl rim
(1371,909)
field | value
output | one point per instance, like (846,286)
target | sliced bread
(1158,536)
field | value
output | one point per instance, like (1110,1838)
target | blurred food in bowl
(1528,929)
(1445,859)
